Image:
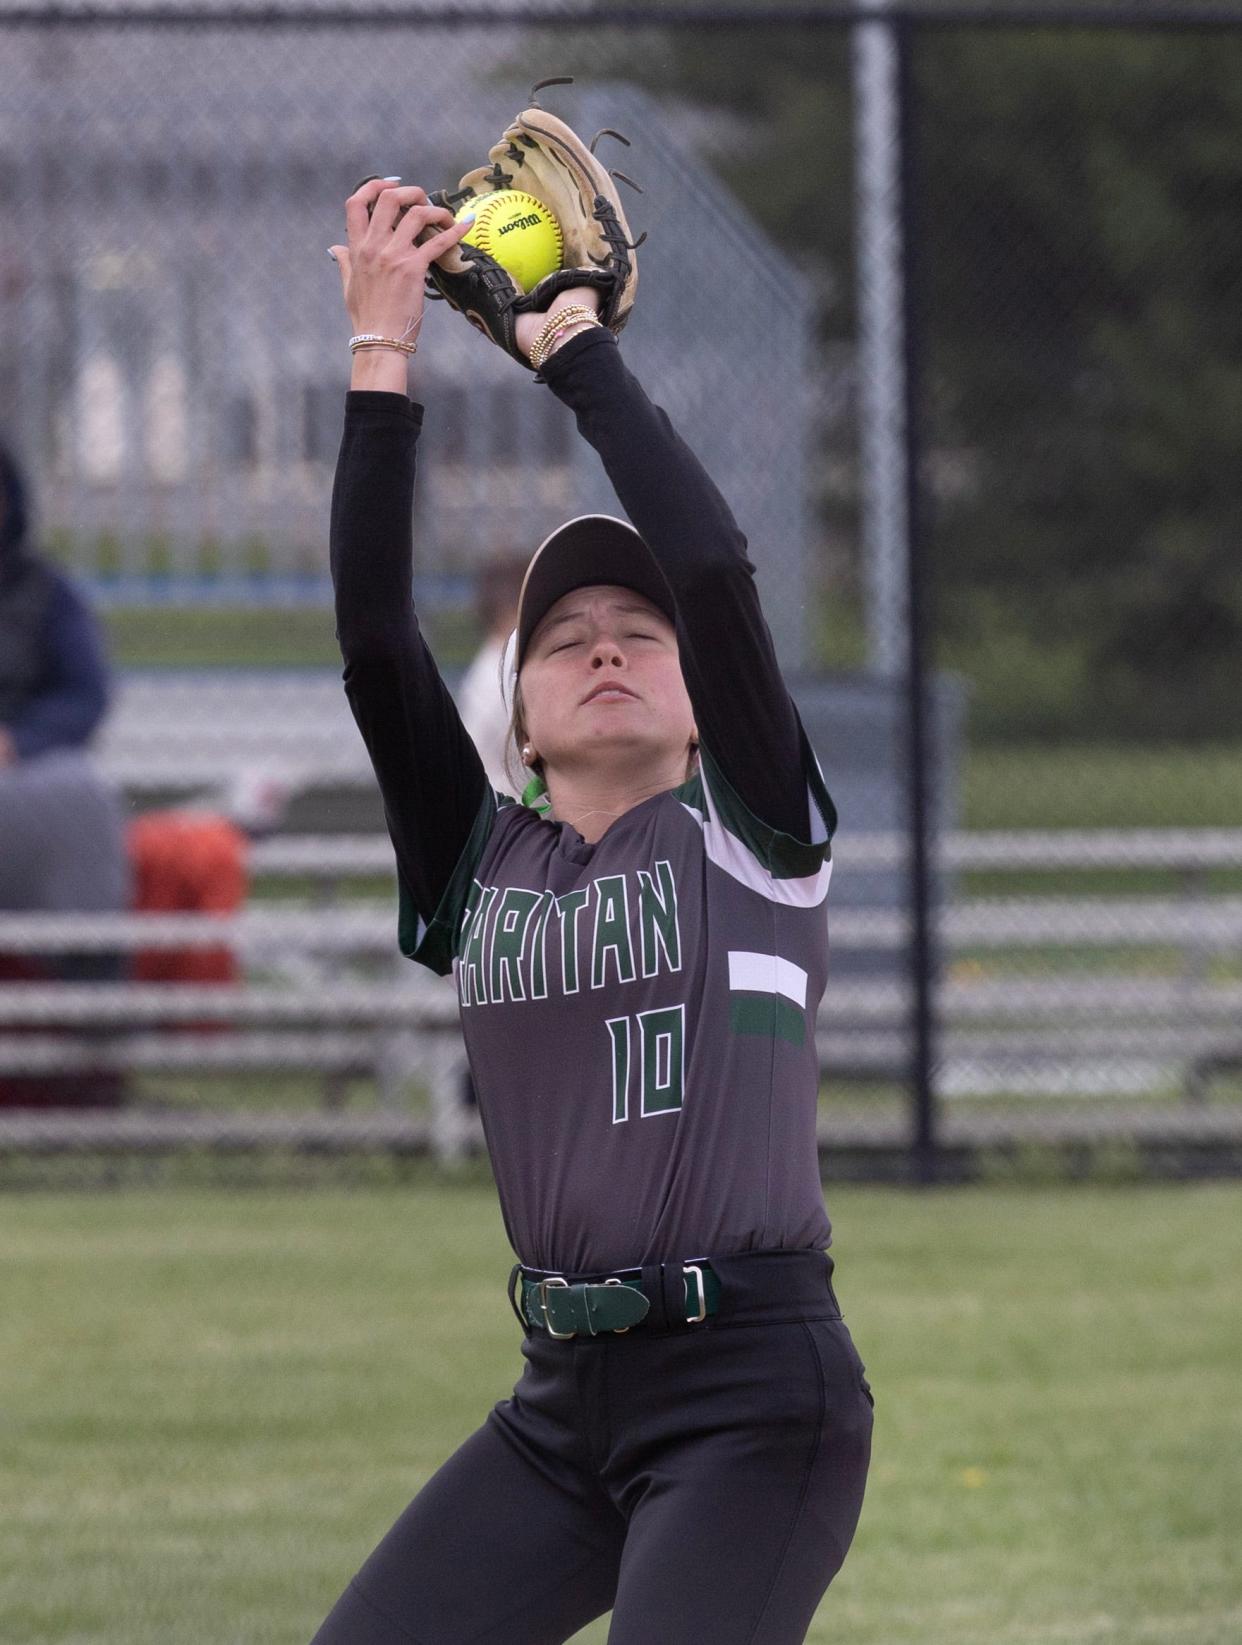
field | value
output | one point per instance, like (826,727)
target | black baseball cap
(594,548)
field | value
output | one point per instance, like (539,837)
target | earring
(528,754)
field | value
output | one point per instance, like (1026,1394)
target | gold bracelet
(574,314)
(559,315)
(372,339)
(545,354)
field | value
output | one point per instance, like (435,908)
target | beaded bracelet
(572,315)
(575,314)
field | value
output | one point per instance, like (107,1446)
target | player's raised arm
(565,326)
(743,709)
(430,775)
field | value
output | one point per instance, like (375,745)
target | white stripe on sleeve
(766,974)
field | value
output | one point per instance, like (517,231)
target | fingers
(358,207)
(434,247)
(421,221)
(340,256)
(378,200)
(387,223)
(398,226)
(392,204)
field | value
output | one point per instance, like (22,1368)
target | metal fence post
(890,447)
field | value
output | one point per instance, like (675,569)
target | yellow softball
(518,231)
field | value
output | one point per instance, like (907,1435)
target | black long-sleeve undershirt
(430,775)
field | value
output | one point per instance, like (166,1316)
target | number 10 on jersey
(648,1048)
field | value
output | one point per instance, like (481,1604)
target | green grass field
(255,637)
(212,1405)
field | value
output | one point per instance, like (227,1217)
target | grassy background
(206,637)
(211,1406)
(250,637)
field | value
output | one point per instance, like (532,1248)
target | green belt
(564,1310)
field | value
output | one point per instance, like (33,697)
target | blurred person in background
(481,700)
(62,833)
(62,846)
(54,683)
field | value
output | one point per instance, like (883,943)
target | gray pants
(62,839)
(62,851)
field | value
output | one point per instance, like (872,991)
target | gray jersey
(639,1015)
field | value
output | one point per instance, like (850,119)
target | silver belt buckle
(554,1279)
(618,1330)
(688,1269)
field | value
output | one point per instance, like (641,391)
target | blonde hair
(517,736)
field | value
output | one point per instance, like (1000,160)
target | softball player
(639,950)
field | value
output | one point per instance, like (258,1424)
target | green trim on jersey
(769,1015)
(784,857)
(434,945)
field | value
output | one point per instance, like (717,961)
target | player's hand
(528,326)
(385,262)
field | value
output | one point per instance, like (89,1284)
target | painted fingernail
(331,254)
(469,219)
(391,179)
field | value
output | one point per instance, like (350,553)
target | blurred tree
(1081,255)
(1084,270)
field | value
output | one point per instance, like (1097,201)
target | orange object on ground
(187,862)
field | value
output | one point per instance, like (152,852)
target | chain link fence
(947,300)
(173,334)
(1076,274)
